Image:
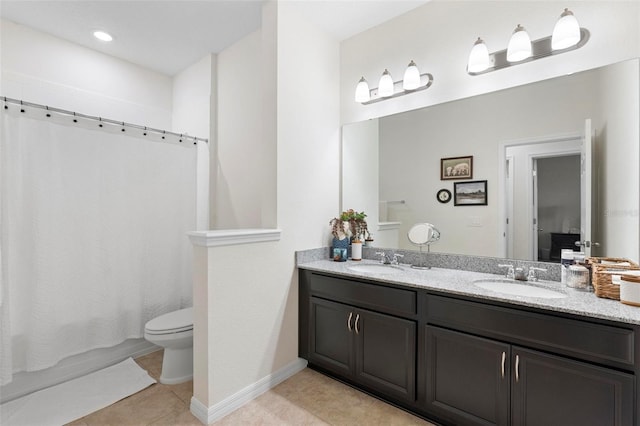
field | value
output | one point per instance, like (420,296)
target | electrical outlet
(475,221)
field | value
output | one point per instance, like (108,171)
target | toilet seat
(173,322)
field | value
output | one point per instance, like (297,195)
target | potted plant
(348,228)
(350,222)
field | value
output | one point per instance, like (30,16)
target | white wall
(43,69)
(191,97)
(308,132)
(251,291)
(440,34)
(194,111)
(244,153)
(618,172)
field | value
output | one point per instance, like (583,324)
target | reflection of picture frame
(472,193)
(456,168)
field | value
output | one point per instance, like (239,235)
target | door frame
(571,144)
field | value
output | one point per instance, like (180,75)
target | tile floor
(308,398)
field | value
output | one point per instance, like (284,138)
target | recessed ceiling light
(101,35)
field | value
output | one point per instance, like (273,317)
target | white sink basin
(517,289)
(376,268)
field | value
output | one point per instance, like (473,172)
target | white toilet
(174,332)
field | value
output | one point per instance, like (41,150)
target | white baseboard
(208,415)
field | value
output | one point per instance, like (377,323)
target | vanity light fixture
(567,36)
(362,91)
(519,47)
(566,33)
(479,57)
(411,80)
(102,36)
(387,88)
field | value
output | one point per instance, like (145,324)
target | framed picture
(470,193)
(456,168)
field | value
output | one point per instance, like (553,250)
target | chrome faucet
(532,276)
(384,258)
(387,259)
(511,273)
(514,273)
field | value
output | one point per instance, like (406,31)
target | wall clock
(444,196)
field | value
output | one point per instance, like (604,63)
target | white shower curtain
(93,238)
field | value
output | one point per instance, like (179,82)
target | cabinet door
(467,378)
(386,354)
(331,326)
(551,390)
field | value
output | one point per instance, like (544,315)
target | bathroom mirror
(407,149)
(423,234)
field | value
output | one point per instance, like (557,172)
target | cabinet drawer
(583,339)
(376,297)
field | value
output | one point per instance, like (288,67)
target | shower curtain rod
(100,119)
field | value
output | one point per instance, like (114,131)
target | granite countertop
(457,282)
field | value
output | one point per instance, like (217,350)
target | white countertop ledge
(387,226)
(229,237)
(457,282)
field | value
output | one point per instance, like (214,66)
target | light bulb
(362,91)
(566,33)
(479,57)
(385,86)
(411,80)
(102,36)
(519,45)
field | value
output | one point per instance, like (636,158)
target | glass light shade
(519,46)
(566,33)
(385,86)
(479,57)
(411,80)
(362,91)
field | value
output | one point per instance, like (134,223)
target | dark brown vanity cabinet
(477,381)
(371,348)
(464,361)
(548,389)
(467,377)
(480,373)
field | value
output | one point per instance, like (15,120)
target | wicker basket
(601,268)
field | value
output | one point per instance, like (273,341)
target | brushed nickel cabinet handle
(504,358)
(517,368)
(356,324)
(349,321)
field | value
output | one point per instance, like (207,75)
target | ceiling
(169,35)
